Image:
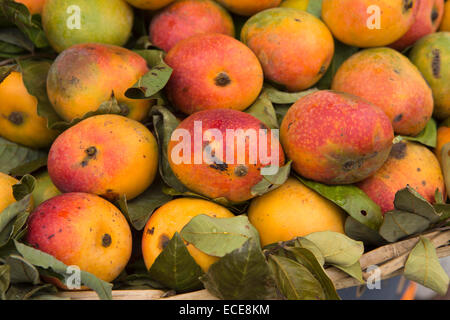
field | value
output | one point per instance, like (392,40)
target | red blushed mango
(294,47)
(227,166)
(389,80)
(410,164)
(213,71)
(149,4)
(428,19)
(445,24)
(336,138)
(354,22)
(249,7)
(186,18)
(83,230)
(34,6)
(84,76)
(108,155)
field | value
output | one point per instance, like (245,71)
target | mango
(445,24)
(34,6)
(248,7)
(44,188)
(6,191)
(149,4)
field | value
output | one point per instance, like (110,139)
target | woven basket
(390,259)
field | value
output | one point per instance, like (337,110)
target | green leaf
(445,162)
(165,123)
(14,37)
(315,7)
(19,15)
(353,271)
(409,200)
(13,155)
(242,274)
(27,291)
(22,271)
(153,81)
(46,261)
(13,218)
(428,136)
(24,187)
(341,53)
(360,232)
(352,199)
(5,71)
(308,244)
(423,267)
(400,224)
(218,236)
(264,111)
(4,280)
(281,97)
(308,260)
(175,268)
(294,280)
(139,210)
(35,79)
(29,167)
(337,248)
(272,182)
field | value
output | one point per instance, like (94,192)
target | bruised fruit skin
(222,171)
(83,230)
(428,19)
(293,210)
(431,55)
(6,191)
(248,7)
(84,76)
(149,4)
(410,164)
(19,121)
(349,20)
(44,188)
(336,138)
(70,22)
(171,218)
(445,24)
(389,80)
(34,6)
(107,155)
(186,18)
(294,47)
(443,137)
(213,71)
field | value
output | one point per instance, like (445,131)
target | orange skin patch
(443,137)
(294,47)
(186,18)
(409,164)
(348,20)
(171,218)
(390,81)
(230,180)
(84,76)
(249,7)
(445,25)
(213,71)
(336,138)
(34,6)
(108,155)
(428,18)
(83,230)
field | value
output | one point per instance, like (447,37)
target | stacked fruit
(205,123)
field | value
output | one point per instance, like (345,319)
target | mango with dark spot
(336,138)
(70,22)
(431,55)
(171,218)
(83,230)
(149,4)
(104,155)
(227,165)
(34,6)
(213,71)
(19,120)
(427,20)
(86,75)
(294,47)
(248,7)
(410,164)
(369,23)
(389,80)
(186,18)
